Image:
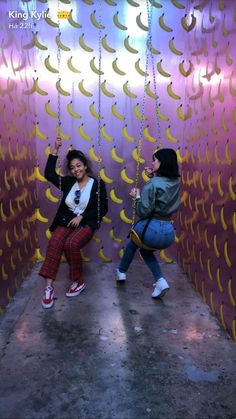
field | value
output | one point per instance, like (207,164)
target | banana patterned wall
(186,73)
(125,114)
(17,151)
(208,217)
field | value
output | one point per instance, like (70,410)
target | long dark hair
(169,164)
(77,154)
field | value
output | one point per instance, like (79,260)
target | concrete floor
(115,353)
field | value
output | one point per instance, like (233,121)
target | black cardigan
(64,214)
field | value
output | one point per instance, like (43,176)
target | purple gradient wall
(17,153)
(191,70)
(208,218)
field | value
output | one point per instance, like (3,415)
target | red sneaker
(47,301)
(75,289)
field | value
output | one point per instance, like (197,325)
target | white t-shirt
(84,197)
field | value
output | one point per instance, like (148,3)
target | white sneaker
(161,287)
(120,276)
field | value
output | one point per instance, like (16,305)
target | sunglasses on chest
(77,197)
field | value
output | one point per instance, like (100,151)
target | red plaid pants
(69,241)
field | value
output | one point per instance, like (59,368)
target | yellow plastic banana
(114,197)
(84,45)
(105,91)
(40,217)
(72,112)
(117,69)
(222,218)
(160,115)
(96,239)
(231,191)
(72,22)
(217,253)
(222,316)
(133,3)
(83,134)
(136,157)
(126,135)
(8,241)
(60,89)
(161,71)
(218,280)
(49,67)
(230,293)
(165,258)
(140,23)
(218,161)
(192,24)
(137,113)
(115,157)
(71,66)
(153,50)
(220,190)
(95,22)
(228,60)
(231,87)
(50,196)
(38,44)
(149,91)
(163,24)
(84,258)
(49,20)
(128,46)
(103,256)
(209,183)
(4,273)
(48,234)
(39,133)
(169,136)
(37,254)
(124,217)
(94,113)
(113,236)
(209,269)
(227,154)
(104,177)
(182,70)
(93,155)
(107,47)
(106,219)
(105,134)
(234,320)
(84,91)
(171,93)
(173,48)
(127,91)
(49,110)
(116,113)
(125,178)
(234,222)
(60,45)
(118,23)
(139,69)
(7,184)
(37,175)
(226,255)
(148,136)
(121,254)
(94,67)
(177,4)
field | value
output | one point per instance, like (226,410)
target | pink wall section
(17,152)
(208,218)
(192,71)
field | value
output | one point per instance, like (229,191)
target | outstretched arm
(50,169)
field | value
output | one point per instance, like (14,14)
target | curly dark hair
(77,154)
(169,163)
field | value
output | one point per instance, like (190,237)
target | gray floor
(114,352)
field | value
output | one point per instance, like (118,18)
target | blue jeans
(159,234)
